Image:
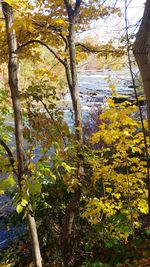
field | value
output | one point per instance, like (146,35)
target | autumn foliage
(87,193)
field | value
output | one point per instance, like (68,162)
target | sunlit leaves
(7,183)
(21,205)
(121,166)
(18,5)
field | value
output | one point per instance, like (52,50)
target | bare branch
(72,13)
(68,7)
(96,50)
(77,7)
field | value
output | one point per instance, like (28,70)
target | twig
(10,155)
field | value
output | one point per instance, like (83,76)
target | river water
(94,91)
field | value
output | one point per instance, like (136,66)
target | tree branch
(95,50)
(56,30)
(77,7)
(59,32)
(45,107)
(72,13)
(10,155)
(68,76)
(68,7)
(44,44)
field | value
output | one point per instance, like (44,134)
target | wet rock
(119,100)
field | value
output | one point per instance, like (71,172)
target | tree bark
(74,86)
(141,50)
(71,74)
(13,84)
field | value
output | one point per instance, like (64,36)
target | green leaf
(11,181)
(7,183)
(35,188)
(147,231)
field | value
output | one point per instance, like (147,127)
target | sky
(114,27)
(135,10)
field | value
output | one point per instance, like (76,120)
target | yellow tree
(119,165)
(54,24)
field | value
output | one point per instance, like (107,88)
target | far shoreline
(94,70)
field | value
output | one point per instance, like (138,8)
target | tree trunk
(141,50)
(71,74)
(13,84)
(74,86)
(34,238)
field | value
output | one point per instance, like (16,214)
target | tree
(141,52)
(56,32)
(116,164)
(13,84)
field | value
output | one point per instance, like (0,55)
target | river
(94,91)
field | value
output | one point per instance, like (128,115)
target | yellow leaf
(5,265)
(109,190)
(95,220)
(9,2)
(60,21)
(19,208)
(32,167)
(112,87)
